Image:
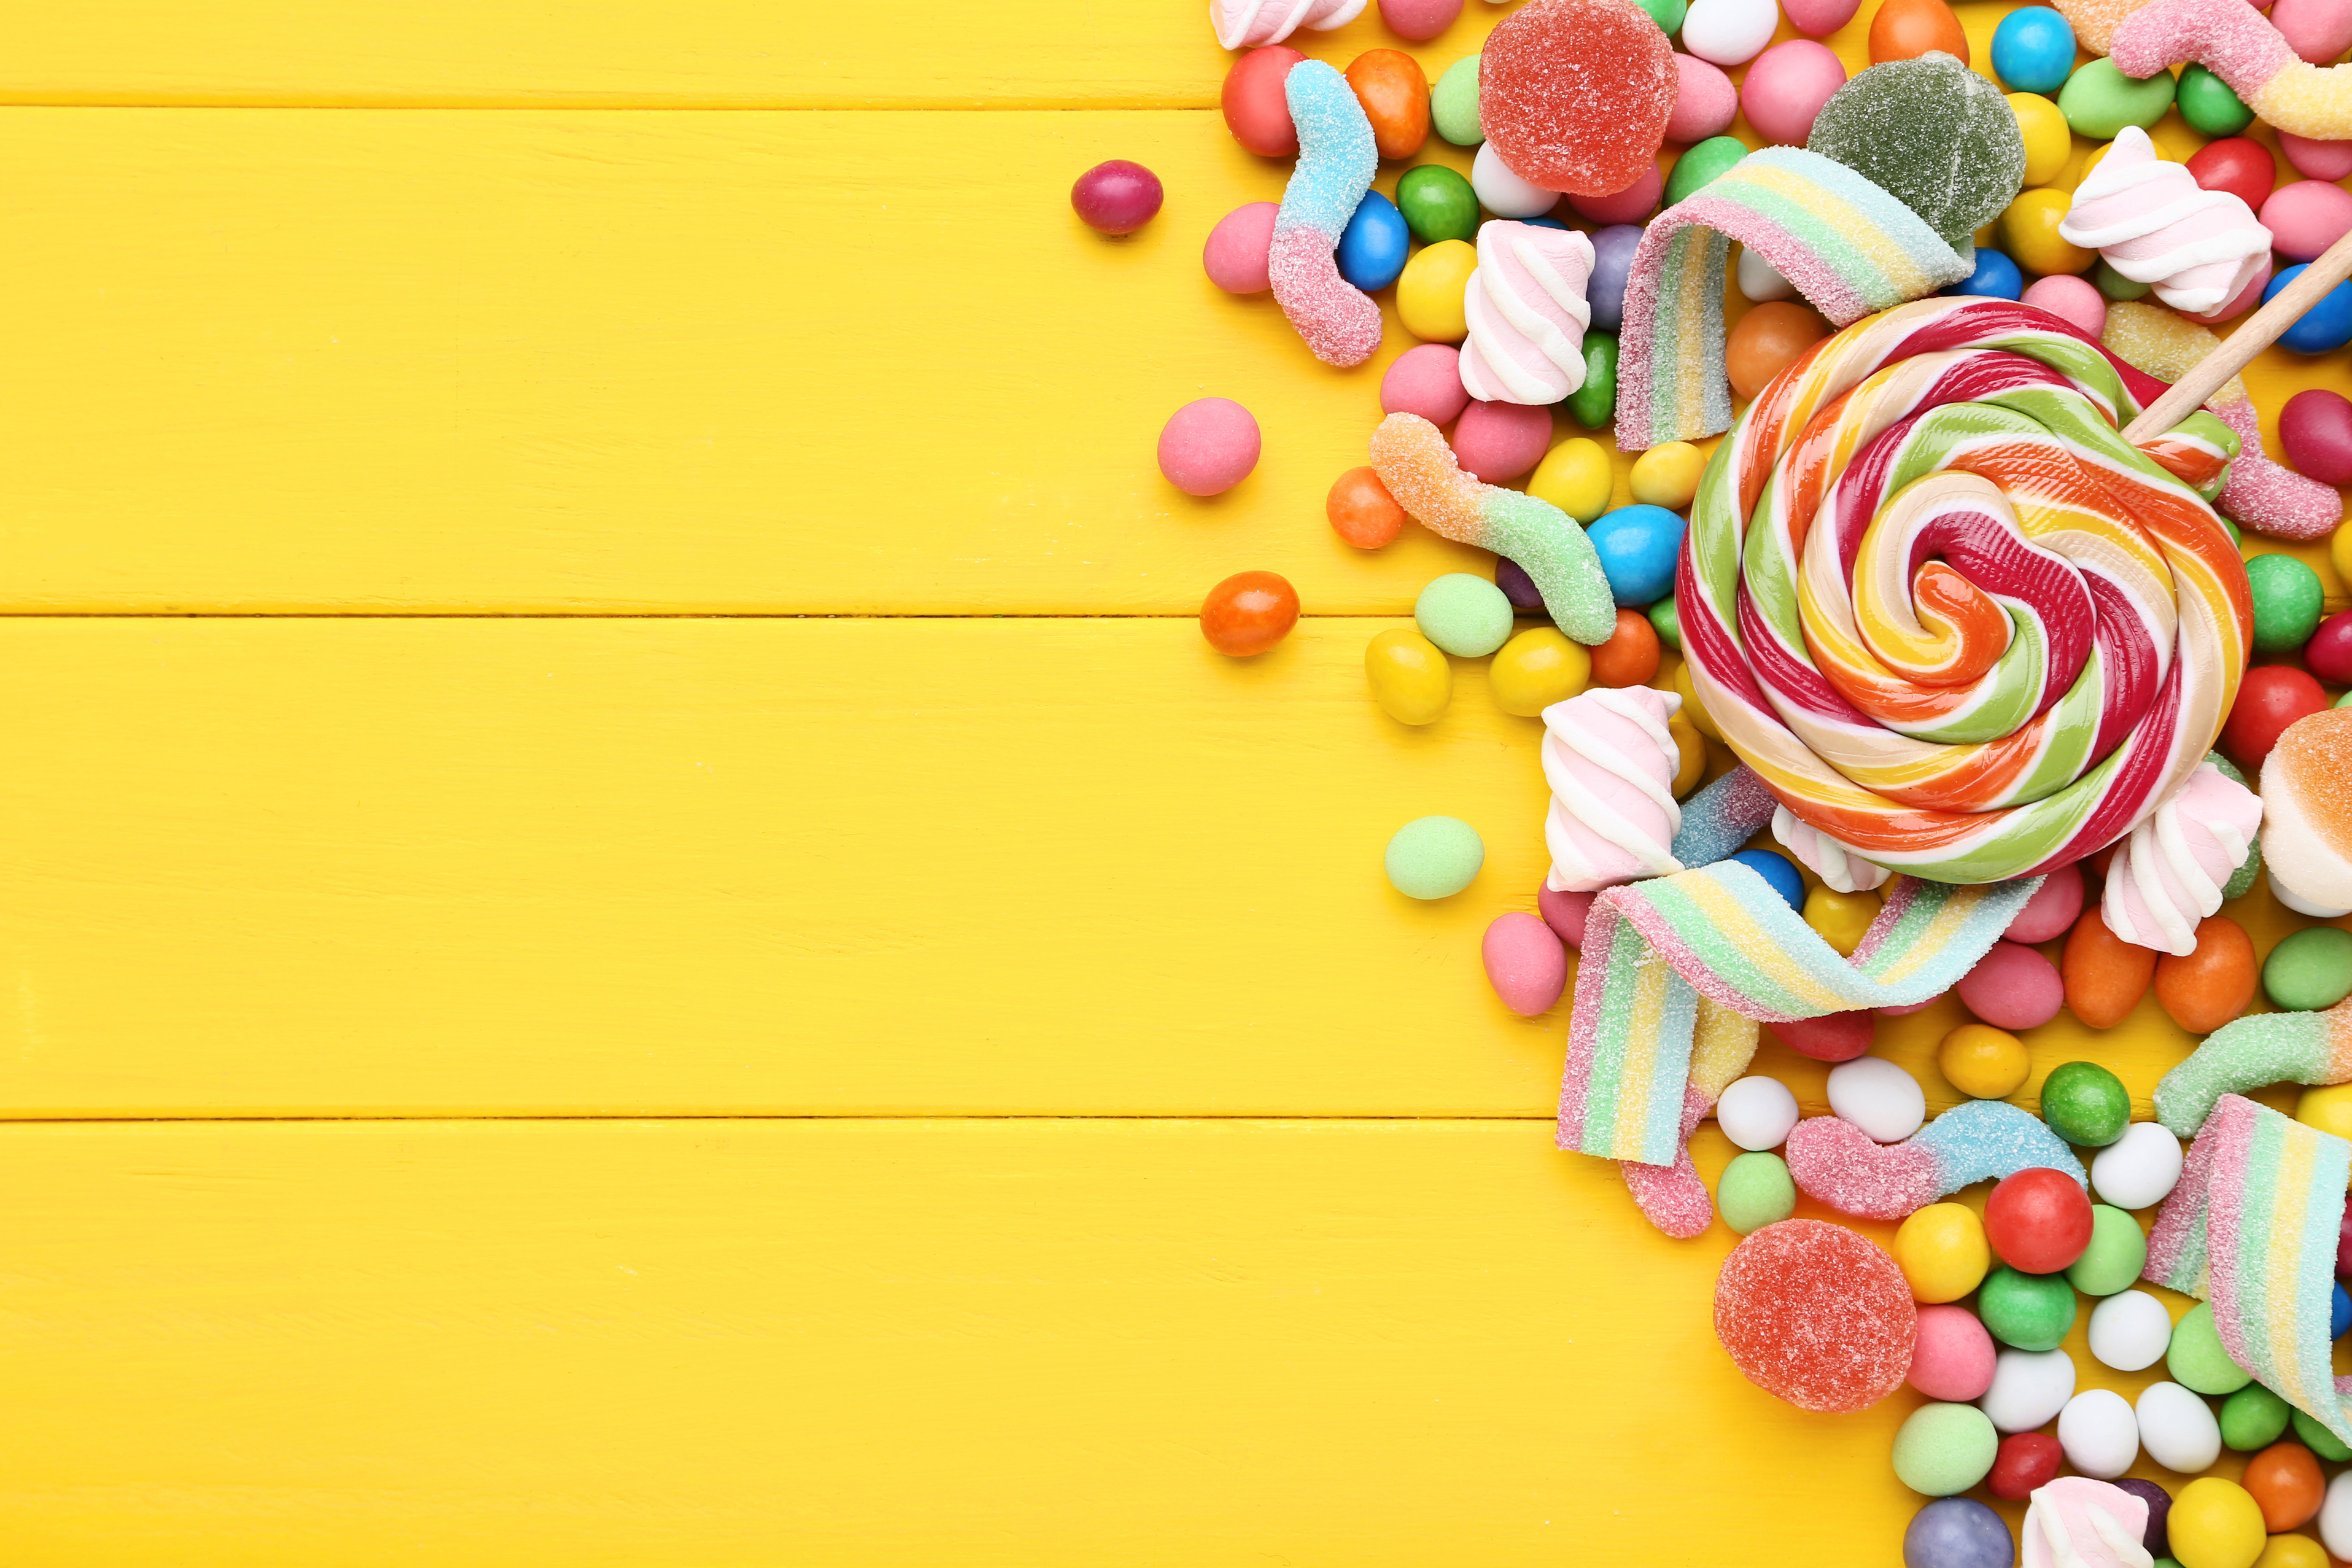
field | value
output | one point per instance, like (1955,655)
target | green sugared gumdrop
(1934,134)
(2117,1252)
(1754,1191)
(1434,858)
(2197,1361)
(1942,1449)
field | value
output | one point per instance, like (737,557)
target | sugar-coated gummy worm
(2241,45)
(1336,161)
(1956,623)
(1835,1162)
(1418,467)
(2251,1226)
(2252,1053)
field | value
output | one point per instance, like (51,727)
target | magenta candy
(2050,912)
(1786,87)
(1565,912)
(1208,447)
(1500,441)
(2344,1242)
(1525,963)
(1831,1038)
(2013,987)
(1426,381)
(1631,205)
(2071,300)
(1704,104)
(2317,428)
(1236,254)
(2328,653)
(2316,159)
(1953,1358)
(1117,197)
(2319,30)
(1419,19)
(1820,19)
(2306,217)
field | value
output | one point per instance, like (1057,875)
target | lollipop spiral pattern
(1952,619)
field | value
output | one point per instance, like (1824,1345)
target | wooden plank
(365,363)
(886,1343)
(371,867)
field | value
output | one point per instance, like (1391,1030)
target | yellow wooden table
(634,928)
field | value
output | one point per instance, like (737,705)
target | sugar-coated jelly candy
(1574,94)
(1248,613)
(1818,1316)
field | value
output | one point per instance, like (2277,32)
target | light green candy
(1434,858)
(2118,1251)
(1454,103)
(1467,617)
(2197,1361)
(1943,1449)
(2099,101)
(2311,969)
(1756,1191)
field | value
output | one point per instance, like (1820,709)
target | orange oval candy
(2286,1485)
(2106,976)
(1766,341)
(2213,984)
(1389,83)
(1905,29)
(1629,657)
(1362,511)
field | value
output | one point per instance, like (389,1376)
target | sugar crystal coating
(1574,95)
(1933,134)
(1337,159)
(1816,1315)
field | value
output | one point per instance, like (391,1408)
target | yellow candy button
(1983,1062)
(1667,475)
(1942,1251)
(2048,143)
(1575,477)
(1536,670)
(1428,293)
(1840,918)
(2030,228)
(2330,1109)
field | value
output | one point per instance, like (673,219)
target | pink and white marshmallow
(2153,223)
(1527,311)
(2170,871)
(1246,24)
(1611,764)
(2078,1522)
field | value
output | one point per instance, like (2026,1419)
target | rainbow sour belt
(2253,1052)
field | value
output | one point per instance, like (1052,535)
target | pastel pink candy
(1527,311)
(1564,912)
(1237,254)
(2154,224)
(1786,87)
(2170,872)
(2050,912)
(2317,160)
(1607,757)
(1631,205)
(2319,30)
(2070,1508)
(2013,987)
(1834,1160)
(1497,442)
(2233,40)
(1208,447)
(2306,217)
(2071,300)
(1419,19)
(1820,19)
(1706,104)
(1525,962)
(1426,380)
(1953,1358)
(2268,496)
(1244,23)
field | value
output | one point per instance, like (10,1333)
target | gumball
(1426,379)
(2034,49)
(2013,987)
(2038,1221)
(2215,1523)
(1248,613)
(1594,403)
(1497,442)
(1613,259)
(2207,988)
(2129,1330)
(2159,1506)
(2316,426)
(1877,1096)
(2306,217)
(1236,254)
(2239,165)
(2318,30)
(2138,1170)
(1842,918)
(2029,1311)
(2205,101)
(1502,191)
(2252,1418)
(1575,477)
(1905,29)
(1784,879)
(1537,668)
(1437,204)
(2323,328)
(2028,1387)
(1208,447)
(1820,19)
(1994,276)
(2328,653)
(1942,1252)
(2099,101)
(2099,1432)
(1430,291)
(1667,14)
(1786,87)
(2026,1462)
(1729,32)
(2071,300)
(1706,104)
(1434,858)
(2270,697)
(1692,708)
(1715,156)
(2103,976)
(1395,95)
(1525,963)
(1767,340)
(2117,1253)
(1520,588)
(1409,676)
(1956,1532)
(2339,1314)
(1117,197)
(1638,546)
(2049,141)
(2316,159)
(1667,475)
(1756,281)
(1255,111)
(2115,286)
(1629,657)
(1941,1449)
(1831,1038)
(2292,1552)
(2086,1104)
(2050,912)
(1630,205)
(2030,227)
(1362,511)
(1756,1112)
(1692,749)
(1983,1062)
(1419,19)
(2318,1438)
(1565,913)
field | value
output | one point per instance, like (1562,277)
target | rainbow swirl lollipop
(1953,620)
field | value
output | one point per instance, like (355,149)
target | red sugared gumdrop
(2272,697)
(2023,1464)
(1831,1038)
(2013,987)
(2050,912)
(1574,95)
(2038,1221)
(1816,1315)
(1954,1359)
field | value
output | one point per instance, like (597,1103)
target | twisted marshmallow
(2078,1522)
(2154,224)
(1528,314)
(1611,764)
(1246,23)
(2169,873)
(1840,868)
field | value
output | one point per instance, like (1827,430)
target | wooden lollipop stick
(2237,351)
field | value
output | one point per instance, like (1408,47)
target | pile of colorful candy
(1976,666)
